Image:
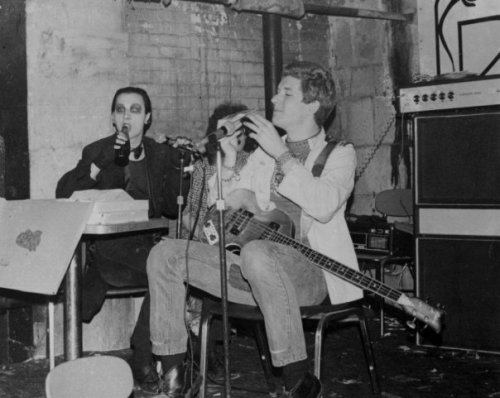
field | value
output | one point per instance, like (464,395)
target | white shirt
(323,201)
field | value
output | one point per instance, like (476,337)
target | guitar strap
(320,161)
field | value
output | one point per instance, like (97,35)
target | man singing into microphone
(275,277)
(149,172)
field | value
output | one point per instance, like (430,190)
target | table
(72,297)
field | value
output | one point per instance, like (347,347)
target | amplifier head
(450,94)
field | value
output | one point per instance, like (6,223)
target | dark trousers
(120,261)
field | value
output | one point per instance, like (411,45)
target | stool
(351,312)
(90,377)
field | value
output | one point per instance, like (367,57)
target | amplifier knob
(425,97)
(451,95)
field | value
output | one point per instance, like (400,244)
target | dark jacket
(162,164)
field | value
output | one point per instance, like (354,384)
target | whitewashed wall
(76,59)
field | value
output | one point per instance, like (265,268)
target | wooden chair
(352,313)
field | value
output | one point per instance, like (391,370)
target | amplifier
(380,239)
(450,94)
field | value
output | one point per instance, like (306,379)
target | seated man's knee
(253,258)
(160,256)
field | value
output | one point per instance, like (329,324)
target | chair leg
(369,355)
(51,331)
(206,318)
(265,358)
(381,278)
(318,345)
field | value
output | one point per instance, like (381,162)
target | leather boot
(307,387)
(179,382)
(147,378)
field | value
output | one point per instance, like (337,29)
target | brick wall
(191,56)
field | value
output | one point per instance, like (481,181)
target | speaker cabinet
(462,274)
(458,158)
(457,217)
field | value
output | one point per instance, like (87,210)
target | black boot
(307,387)
(180,382)
(147,378)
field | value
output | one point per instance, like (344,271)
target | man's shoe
(307,387)
(179,382)
(147,379)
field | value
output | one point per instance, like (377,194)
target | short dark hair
(317,85)
(221,111)
(147,102)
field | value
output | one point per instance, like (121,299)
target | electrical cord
(361,170)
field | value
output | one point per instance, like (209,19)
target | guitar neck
(348,274)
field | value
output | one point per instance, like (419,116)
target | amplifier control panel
(433,96)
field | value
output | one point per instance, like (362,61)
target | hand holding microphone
(122,146)
(230,126)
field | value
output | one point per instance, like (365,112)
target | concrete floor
(405,370)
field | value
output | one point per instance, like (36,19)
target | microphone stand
(180,197)
(220,206)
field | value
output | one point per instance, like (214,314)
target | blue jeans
(275,277)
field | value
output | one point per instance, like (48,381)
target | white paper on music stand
(113,206)
(37,241)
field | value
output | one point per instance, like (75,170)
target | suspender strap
(319,164)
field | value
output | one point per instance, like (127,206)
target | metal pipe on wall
(318,7)
(273,57)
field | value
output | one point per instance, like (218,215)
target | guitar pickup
(241,221)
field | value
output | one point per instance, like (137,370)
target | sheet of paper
(113,206)
(37,241)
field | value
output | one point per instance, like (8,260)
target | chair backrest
(395,202)
(90,377)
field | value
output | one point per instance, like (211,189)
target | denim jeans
(275,277)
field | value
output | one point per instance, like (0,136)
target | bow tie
(137,152)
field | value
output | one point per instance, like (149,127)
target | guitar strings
(350,275)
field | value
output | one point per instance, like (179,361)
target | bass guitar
(244,222)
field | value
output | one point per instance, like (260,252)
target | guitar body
(242,207)
(245,221)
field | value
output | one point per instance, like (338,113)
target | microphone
(211,138)
(122,153)
(187,148)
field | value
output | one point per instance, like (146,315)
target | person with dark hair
(276,277)
(204,169)
(149,172)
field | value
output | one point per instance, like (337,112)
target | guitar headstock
(424,312)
